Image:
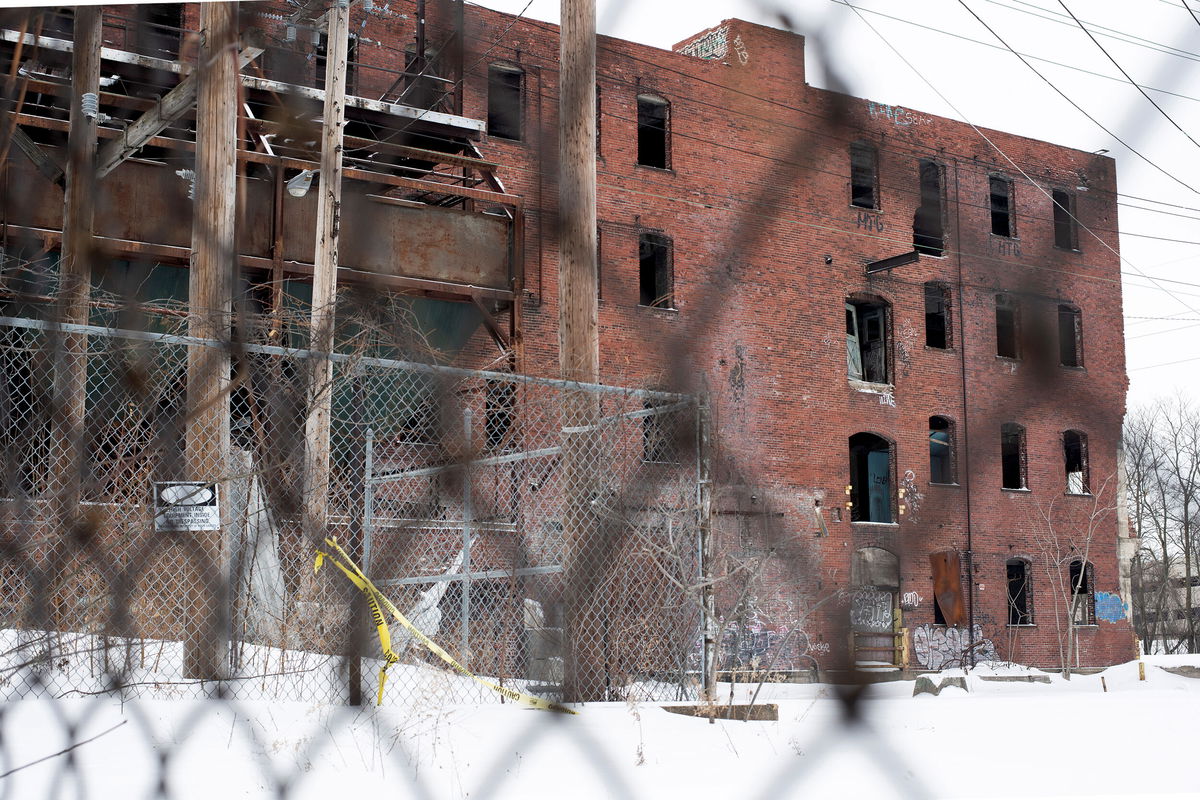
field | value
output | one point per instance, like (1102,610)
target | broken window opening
(938,617)
(653,129)
(1000,191)
(867,341)
(1012,456)
(1075,459)
(928,230)
(941,450)
(1083,601)
(655,277)
(864,175)
(1007,327)
(159,29)
(422,89)
(1070,335)
(937,316)
(658,442)
(1020,606)
(500,400)
(1066,229)
(870,478)
(321,56)
(505,87)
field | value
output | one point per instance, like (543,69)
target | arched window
(1020,593)
(505,87)
(941,451)
(1075,460)
(1081,580)
(871,484)
(654,131)
(1012,456)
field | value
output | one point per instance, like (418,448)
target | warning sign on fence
(186,506)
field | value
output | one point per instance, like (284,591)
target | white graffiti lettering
(939,647)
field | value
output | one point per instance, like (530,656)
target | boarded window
(867,342)
(870,478)
(1066,230)
(654,129)
(1001,204)
(1070,336)
(1012,456)
(1007,322)
(947,587)
(655,277)
(1083,601)
(941,450)
(937,316)
(1020,606)
(1075,460)
(864,176)
(927,222)
(505,86)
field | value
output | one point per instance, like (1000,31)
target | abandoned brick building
(911,335)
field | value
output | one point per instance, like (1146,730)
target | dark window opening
(938,617)
(159,29)
(321,58)
(941,450)
(1012,456)
(1020,610)
(504,101)
(870,478)
(864,176)
(1066,231)
(419,423)
(1069,336)
(654,270)
(422,85)
(500,401)
(658,441)
(927,222)
(937,316)
(1000,190)
(1075,460)
(1007,322)
(59,23)
(867,342)
(653,128)
(1083,607)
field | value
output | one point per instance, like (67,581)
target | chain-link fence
(447,485)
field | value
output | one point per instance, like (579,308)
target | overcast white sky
(1156,41)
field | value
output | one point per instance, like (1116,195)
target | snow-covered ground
(1028,740)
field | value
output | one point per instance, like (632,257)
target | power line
(1128,77)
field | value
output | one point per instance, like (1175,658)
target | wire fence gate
(449,486)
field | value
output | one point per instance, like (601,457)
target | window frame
(860,152)
(1065,219)
(945,298)
(932,207)
(1014,430)
(1010,211)
(644,123)
(1088,584)
(1081,442)
(494,112)
(859,496)
(951,457)
(1007,303)
(1024,616)
(855,304)
(661,300)
(1072,311)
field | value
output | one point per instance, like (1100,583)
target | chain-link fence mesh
(447,485)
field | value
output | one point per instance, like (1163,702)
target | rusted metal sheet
(148,203)
(947,586)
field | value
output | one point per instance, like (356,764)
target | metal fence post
(468,518)
(368,497)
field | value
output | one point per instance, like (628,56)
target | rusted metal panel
(148,203)
(947,586)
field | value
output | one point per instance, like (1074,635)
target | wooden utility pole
(75,271)
(211,278)
(324,296)
(579,351)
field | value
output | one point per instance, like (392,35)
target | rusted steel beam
(489,322)
(171,107)
(41,159)
(462,292)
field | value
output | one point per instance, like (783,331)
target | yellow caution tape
(377,603)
